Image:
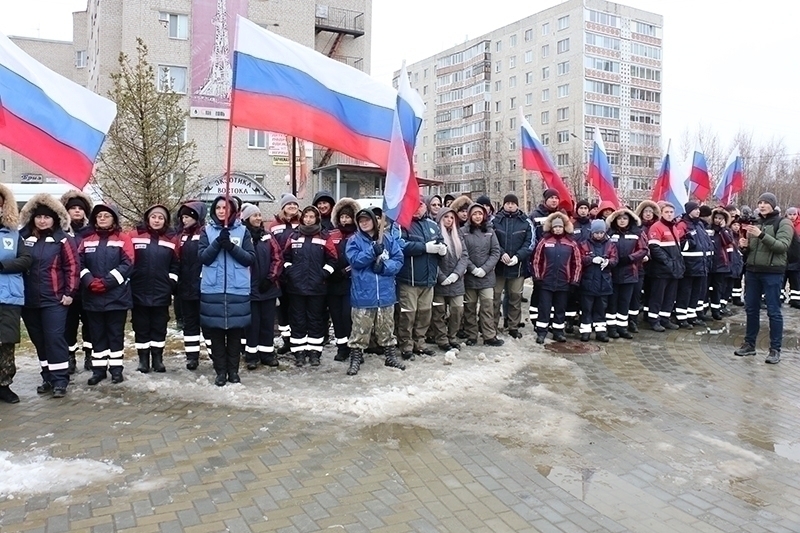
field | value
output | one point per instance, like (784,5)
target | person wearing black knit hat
(192,217)
(514,233)
(486,202)
(696,248)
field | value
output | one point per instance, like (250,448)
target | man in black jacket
(514,233)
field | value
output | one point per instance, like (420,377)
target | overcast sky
(727,64)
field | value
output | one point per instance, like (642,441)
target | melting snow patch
(37,473)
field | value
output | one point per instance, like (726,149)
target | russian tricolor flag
(280,85)
(599,175)
(49,119)
(669,187)
(699,179)
(536,159)
(401,192)
(732,181)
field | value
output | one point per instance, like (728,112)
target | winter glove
(597,260)
(449,280)
(603,264)
(478,272)
(265,285)
(97,286)
(377,266)
(442,249)
(377,248)
(224,239)
(384,255)
(435,248)
(229,245)
(513,261)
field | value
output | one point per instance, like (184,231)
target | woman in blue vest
(226,251)
(14,260)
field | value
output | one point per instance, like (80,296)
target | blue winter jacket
(225,282)
(372,285)
(12,286)
(420,267)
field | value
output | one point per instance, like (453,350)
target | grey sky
(727,64)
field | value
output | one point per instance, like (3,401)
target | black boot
(624,333)
(192,362)
(7,395)
(299,358)
(342,353)
(233,377)
(73,364)
(391,358)
(98,375)
(313,357)
(158,359)
(116,374)
(87,359)
(633,326)
(221,380)
(613,332)
(45,387)
(356,360)
(285,347)
(144,360)
(270,359)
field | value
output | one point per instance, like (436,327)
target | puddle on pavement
(789,451)
(583,482)
(396,436)
(572,348)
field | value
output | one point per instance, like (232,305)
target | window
(609,136)
(512,41)
(606,19)
(643,50)
(528,78)
(512,61)
(528,118)
(498,46)
(562,46)
(545,95)
(512,82)
(643,139)
(563,136)
(528,35)
(424,157)
(641,117)
(497,185)
(512,102)
(498,66)
(498,85)
(563,68)
(416,77)
(563,90)
(546,28)
(178,24)
(647,96)
(545,50)
(599,63)
(529,56)
(646,29)
(562,160)
(498,125)
(512,165)
(425,74)
(257,139)
(605,111)
(645,73)
(497,145)
(512,123)
(512,144)
(602,41)
(563,22)
(545,117)
(425,141)
(2,165)
(512,185)
(425,89)
(602,87)
(562,113)
(643,161)
(497,106)
(171,78)
(528,98)
(545,72)
(497,168)
(80,58)
(545,139)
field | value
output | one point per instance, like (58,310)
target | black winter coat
(582,229)
(155,267)
(54,271)
(308,262)
(267,266)
(419,267)
(665,255)
(538,216)
(723,248)
(697,248)
(339,281)
(515,235)
(594,280)
(106,255)
(631,250)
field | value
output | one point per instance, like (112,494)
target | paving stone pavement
(667,433)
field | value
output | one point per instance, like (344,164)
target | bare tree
(147,159)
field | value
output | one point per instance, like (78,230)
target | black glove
(377,248)
(377,267)
(224,238)
(228,245)
(265,285)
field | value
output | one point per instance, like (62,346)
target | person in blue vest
(50,286)
(226,251)
(14,260)
(192,217)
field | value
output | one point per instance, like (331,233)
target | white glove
(449,280)
(442,249)
(478,272)
(604,264)
(597,260)
(385,255)
(432,247)
(513,261)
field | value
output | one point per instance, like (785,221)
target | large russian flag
(49,119)
(669,187)
(732,181)
(280,85)
(599,175)
(401,192)
(536,159)
(699,179)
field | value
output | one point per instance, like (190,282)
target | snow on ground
(36,473)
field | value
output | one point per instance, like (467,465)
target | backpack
(793,253)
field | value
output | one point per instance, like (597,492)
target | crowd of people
(455,275)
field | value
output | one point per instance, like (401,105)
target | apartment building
(190,44)
(576,66)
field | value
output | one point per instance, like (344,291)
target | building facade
(576,66)
(189,43)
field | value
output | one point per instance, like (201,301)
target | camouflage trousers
(7,367)
(365,321)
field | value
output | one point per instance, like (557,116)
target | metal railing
(339,20)
(355,62)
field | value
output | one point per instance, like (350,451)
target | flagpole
(230,151)
(293,168)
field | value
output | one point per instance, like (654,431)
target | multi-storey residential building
(189,44)
(576,66)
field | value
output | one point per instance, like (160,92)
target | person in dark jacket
(434,204)
(582,223)
(514,234)
(666,268)
(50,286)
(483,254)
(598,259)
(192,217)
(556,267)
(15,258)
(226,252)
(264,290)
(106,257)
(448,294)
(720,274)
(338,299)
(737,267)
(793,266)
(78,205)
(309,257)
(422,244)
(153,281)
(287,219)
(324,203)
(649,213)
(375,258)
(448,199)
(626,234)
(538,217)
(696,249)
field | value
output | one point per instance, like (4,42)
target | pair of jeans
(769,285)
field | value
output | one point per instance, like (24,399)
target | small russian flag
(535,158)
(699,179)
(669,187)
(599,175)
(732,181)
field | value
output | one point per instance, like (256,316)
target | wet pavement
(666,433)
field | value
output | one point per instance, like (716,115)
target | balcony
(337,20)
(355,62)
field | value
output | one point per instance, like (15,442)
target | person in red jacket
(50,286)
(192,220)
(287,219)
(153,280)
(666,268)
(793,265)
(556,267)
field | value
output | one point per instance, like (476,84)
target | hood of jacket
(232,211)
(343,202)
(104,207)
(652,205)
(198,207)
(49,201)
(725,215)
(10,218)
(323,195)
(548,223)
(634,223)
(84,198)
(147,215)
(443,211)
(460,203)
